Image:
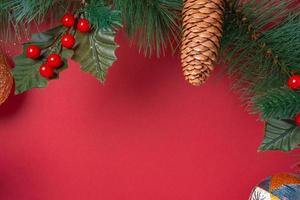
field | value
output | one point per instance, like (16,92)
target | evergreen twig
(18,16)
(153,24)
(256,45)
(281,103)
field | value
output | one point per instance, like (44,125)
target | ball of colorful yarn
(278,187)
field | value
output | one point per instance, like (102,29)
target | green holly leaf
(26,74)
(96,52)
(26,70)
(281,135)
(49,40)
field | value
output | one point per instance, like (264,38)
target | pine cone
(202,32)
(6,79)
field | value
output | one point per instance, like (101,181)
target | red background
(145,135)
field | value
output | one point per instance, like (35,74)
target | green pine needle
(260,44)
(153,24)
(18,16)
(102,16)
(281,103)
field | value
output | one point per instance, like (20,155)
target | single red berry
(68,41)
(68,20)
(46,71)
(83,25)
(294,82)
(33,51)
(297,119)
(54,60)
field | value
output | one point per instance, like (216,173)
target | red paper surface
(145,135)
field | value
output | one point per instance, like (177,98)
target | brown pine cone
(202,32)
(6,79)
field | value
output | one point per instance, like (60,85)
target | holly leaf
(26,70)
(26,74)
(281,135)
(49,39)
(96,52)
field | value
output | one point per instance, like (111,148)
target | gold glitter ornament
(6,79)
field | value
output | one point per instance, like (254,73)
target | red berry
(33,51)
(68,41)
(68,20)
(83,25)
(54,60)
(294,82)
(46,71)
(297,119)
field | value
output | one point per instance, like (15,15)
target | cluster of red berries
(68,20)
(54,61)
(294,84)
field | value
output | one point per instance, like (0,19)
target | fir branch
(18,16)
(27,10)
(256,44)
(285,42)
(102,16)
(281,103)
(154,24)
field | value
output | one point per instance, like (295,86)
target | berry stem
(54,41)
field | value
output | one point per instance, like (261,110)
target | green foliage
(281,135)
(47,39)
(285,42)
(102,16)
(28,10)
(26,71)
(19,16)
(260,50)
(280,103)
(26,74)
(153,24)
(96,52)
(251,61)
(261,46)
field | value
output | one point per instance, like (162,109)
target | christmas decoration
(256,39)
(33,52)
(277,187)
(202,31)
(83,25)
(294,82)
(26,71)
(46,70)
(68,41)
(68,20)
(94,50)
(6,79)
